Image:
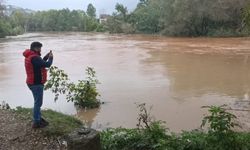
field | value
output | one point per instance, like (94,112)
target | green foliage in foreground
(60,124)
(154,136)
(83,93)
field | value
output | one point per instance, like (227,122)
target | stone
(83,139)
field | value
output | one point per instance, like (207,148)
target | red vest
(30,80)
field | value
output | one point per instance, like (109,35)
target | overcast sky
(102,6)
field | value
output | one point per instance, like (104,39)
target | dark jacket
(35,67)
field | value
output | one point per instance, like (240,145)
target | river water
(176,76)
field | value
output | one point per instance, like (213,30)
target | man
(36,77)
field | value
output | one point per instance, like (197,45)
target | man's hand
(45,58)
(47,55)
(50,54)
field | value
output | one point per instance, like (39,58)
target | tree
(5,28)
(147,18)
(182,18)
(142,3)
(19,18)
(2,8)
(114,25)
(189,17)
(122,10)
(120,21)
(62,20)
(246,18)
(91,11)
(201,17)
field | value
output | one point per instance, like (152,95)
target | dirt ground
(243,119)
(241,109)
(17,134)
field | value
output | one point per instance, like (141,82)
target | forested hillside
(184,18)
(165,17)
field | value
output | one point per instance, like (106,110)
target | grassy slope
(60,124)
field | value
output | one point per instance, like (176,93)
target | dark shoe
(43,121)
(43,125)
(39,125)
(36,125)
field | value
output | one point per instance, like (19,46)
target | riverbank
(16,131)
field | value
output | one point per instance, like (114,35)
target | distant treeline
(61,20)
(20,21)
(165,17)
(184,18)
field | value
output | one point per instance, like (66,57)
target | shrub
(152,135)
(83,93)
(148,135)
(220,121)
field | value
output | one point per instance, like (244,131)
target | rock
(84,139)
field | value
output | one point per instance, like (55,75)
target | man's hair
(35,45)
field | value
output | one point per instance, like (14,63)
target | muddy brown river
(176,76)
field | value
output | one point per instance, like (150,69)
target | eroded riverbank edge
(16,131)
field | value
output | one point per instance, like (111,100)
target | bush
(220,121)
(83,94)
(135,139)
(148,135)
(152,135)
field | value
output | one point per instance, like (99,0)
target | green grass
(59,124)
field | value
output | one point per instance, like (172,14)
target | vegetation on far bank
(183,18)
(20,21)
(164,17)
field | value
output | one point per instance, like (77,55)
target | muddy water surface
(175,75)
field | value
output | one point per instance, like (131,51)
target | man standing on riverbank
(36,73)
